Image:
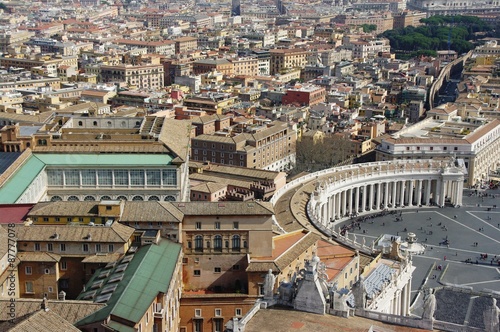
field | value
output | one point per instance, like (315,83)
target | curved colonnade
(340,193)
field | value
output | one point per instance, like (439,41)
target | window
(37,246)
(197,325)
(217,225)
(455,148)
(237,312)
(121,178)
(111,248)
(236,225)
(98,247)
(85,247)
(445,148)
(218,312)
(28,270)
(198,243)
(218,243)
(197,312)
(218,324)
(45,219)
(236,243)
(63,247)
(198,225)
(197,273)
(217,269)
(58,219)
(137,178)
(105,177)
(153,177)
(47,271)
(29,287)
(236,267)
(50,247)
(169,177)
(64,265)
(88,178)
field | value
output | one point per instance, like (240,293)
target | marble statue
(429,306)
(360,294)
(269,284)
(490,316)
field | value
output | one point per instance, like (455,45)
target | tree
(368,27)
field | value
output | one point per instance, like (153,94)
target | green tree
(369,27)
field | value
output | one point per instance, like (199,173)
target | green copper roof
(148,273)
(74,160)
(27,172)
(18,183)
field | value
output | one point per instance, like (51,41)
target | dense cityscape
(233,166)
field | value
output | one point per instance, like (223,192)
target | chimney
(44,304)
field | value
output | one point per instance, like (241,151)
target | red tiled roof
(14,213)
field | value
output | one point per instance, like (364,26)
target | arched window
(73,198)
(105,198)
(122,198)
(170,199)
(153,198)
(198,243)
(89,198)
(137,198)
(236,243)
(80,123)
(95,123)
(55,199)
(218,243)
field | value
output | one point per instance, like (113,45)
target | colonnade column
(371,197)
(337,203)
(402,193)
(356,200)
(393,198)
(350,201)
(410,194)
(386,195)
(344,203)
(363,201)
(419,193)
(428,192)
(379,195)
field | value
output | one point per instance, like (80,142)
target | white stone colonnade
(347,191)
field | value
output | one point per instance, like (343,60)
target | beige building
(52,258)
(283,59)
(476,145)
(147,76)
(185,44)
(163,47)
(268,146)
(246,66)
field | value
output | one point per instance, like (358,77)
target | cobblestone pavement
(473,231)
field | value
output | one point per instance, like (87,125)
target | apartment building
(304,95)
(163,47)
(246,66)
(222,66)
(268,146)
(283,59)
(52,258)
(383,21)
(185,44)
(146,76)
(28,62)
(408,18)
